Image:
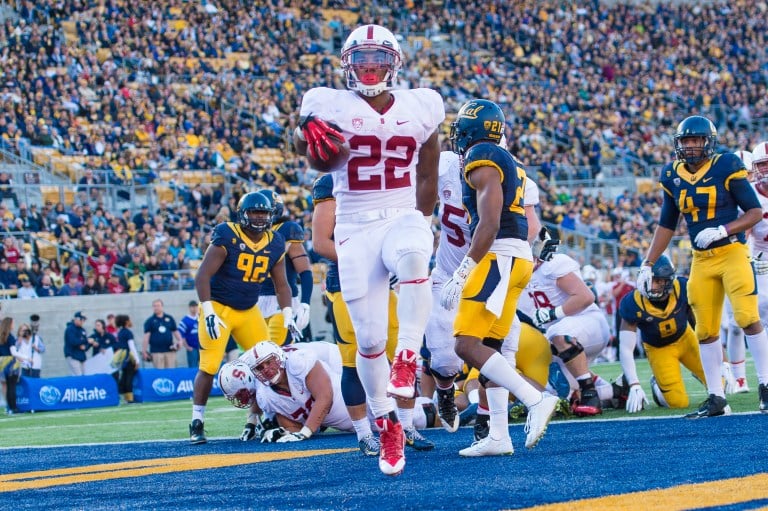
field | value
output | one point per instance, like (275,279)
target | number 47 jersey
(384,147)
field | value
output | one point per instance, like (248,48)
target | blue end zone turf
(575,460)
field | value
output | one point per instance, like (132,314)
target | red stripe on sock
(417,281)
(372,356)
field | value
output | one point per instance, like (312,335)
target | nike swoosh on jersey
(343,241)
(399,123)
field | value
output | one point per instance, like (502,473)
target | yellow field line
(106,471)
(687,496)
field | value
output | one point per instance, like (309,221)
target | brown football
(334,161)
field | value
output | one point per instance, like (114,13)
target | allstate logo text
(163,387)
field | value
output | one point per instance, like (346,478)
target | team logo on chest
(676,181)
(446,194)
(242,246)
(357,123)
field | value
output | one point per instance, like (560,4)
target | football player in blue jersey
(708,189)
(493,274)
(241,255)
(297,269)
(664,320)
(323,222)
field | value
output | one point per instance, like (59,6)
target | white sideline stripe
(186,440)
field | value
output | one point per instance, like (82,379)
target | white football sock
(374,375)
(758,346)
(362,428)
(198,412)
(498,370)
(414,305)
(498,401)
(405,416)
(711,360)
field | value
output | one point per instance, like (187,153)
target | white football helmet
(760,161)
(589,273)
(238,383)
(371,58)
(746,157)
(266,359)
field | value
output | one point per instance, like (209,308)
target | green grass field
(170,420)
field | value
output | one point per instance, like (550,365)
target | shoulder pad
(292,231)
(731,162)
(299,363)
(485,153)
(322,189)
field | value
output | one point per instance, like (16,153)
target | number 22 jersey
(384,147)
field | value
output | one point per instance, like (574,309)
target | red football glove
(316,133)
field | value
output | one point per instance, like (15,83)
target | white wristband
(299,134)
(306,432)
(559,312)
(287,313)
(207,308)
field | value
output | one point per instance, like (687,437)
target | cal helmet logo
(471,111)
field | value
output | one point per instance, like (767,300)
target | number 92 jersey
(384,147)
(238,281)
(513,223)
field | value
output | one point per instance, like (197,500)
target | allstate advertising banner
(70,392)
(167,384)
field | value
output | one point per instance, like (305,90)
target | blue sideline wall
(56,312)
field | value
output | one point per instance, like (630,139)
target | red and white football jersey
(300,359)
(542,291)
(384,147)
(760,229)
(454,219)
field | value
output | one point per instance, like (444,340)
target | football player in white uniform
(759,242)
(557,299)
(385,196)
(300,384)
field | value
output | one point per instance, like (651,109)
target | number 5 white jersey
(454,219)
(384,147)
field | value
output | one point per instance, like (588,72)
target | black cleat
(482,426)
(197,432)
(762,391)
(416,440)
(713,406)
(446,409)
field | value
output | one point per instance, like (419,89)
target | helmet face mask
(663,272)
(254,212)
(269,360)
(238,383)
(695,140)
(371,58)
(760,163)
(477,120)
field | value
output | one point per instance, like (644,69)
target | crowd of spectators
(138,88)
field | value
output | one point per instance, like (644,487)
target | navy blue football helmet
(254,202)
(278,206)
(663,270)
(477,120)
(695,126)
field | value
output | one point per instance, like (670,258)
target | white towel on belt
(495,302)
